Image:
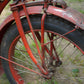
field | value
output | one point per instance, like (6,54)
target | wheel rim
(71,70)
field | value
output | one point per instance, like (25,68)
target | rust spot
(77,16)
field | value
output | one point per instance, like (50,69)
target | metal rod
(22,66)
(61,36)
(31,28)
(21,32)
(42,39)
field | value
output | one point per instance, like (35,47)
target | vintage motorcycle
(42,42)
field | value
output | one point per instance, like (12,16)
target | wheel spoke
(71,55)
(30,37)
(46,48)
(52,47)
(25,57)
(60,48)
(23,62)
(64,48)
(23,71)
(59,43)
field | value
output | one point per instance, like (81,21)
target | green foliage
(82,11)
(55,82)
(4,76)
(3,79)
(9,4)
(76,4)
(28,83)
(75,0)
(75,70)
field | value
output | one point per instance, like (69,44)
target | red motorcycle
(42,42)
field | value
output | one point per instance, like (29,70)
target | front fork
(42,67)
(21,32)
(14,9)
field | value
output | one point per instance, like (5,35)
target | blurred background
(76,4)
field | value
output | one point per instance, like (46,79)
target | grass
(50,82)
(75,0)
(76,4)
(3,79)
(82,11)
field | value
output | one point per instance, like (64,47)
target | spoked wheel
(64,57)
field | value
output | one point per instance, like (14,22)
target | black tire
(52,23)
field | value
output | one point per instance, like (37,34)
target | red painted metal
(30,10)
(63,13)
(21,32)
(51,44)
(42,34)
(42,39)
(65,38)
(10,19)
(14,72)
(68,14)
(45,47)
(31,28)
(61,36)
(23,67)
(3,4)
(52,47)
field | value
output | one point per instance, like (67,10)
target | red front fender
(68,14)
(10,19)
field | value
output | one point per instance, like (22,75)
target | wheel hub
(52,68)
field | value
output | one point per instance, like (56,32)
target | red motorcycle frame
(40,7)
